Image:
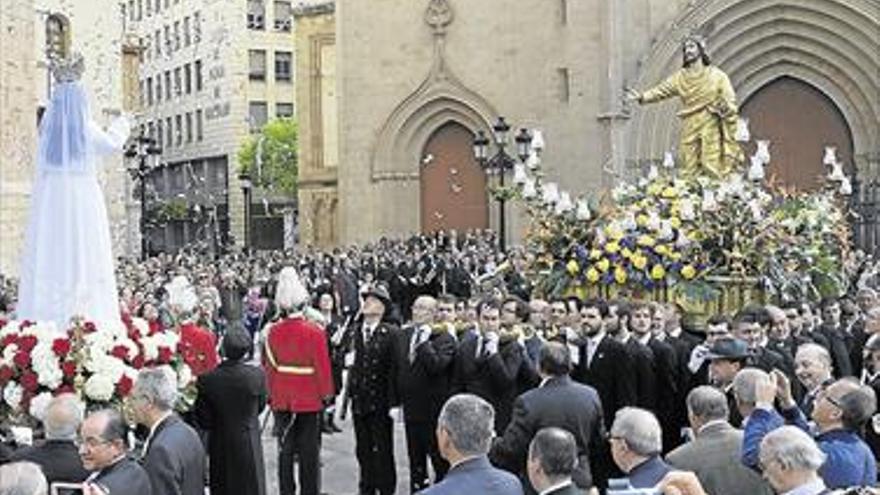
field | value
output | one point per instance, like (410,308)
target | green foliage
(278,166)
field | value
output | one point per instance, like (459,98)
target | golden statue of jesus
(707,145)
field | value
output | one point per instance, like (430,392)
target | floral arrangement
(38,361)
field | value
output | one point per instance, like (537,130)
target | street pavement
(340,468)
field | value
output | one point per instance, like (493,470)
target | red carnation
(64,389)
(22,359)
(138,362)
(29,381)
(123,386)
(27,342)
(3,323)
(68,368)
(6,373)
(61,347)
(165,355)
(89,327)
(120,351)
(7,341)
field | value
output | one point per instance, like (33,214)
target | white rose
(12,395)
(9,352)
(39,404)
(100,387)
(141,325)
(151,348)
(184,377)
(50,376)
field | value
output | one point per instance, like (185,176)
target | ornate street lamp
(142,147)
(500,163)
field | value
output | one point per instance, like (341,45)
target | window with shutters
(257,65)
(283,66)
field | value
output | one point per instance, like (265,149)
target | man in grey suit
(714,455)
(174,456)
(103,437)
(464,434)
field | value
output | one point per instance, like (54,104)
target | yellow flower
(655,189)
(674,256)
(592,275)
(595,254)
(669,192)
(658,272)
(620,275)
(603,265)
(646,240)
(675,222)
(688,272)
(662,250)
(612,247)
(613,232)
(626,253)
(572,267)
(639,261)
(642,220)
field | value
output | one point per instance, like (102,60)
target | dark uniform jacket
(228,406)
(610,373)
(371,383)
(642,359)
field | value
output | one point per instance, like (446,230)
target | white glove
(698,357)
(396,414)
(492,342)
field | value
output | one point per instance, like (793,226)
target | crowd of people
(500,390)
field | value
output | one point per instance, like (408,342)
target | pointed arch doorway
(453,186)
(800,121)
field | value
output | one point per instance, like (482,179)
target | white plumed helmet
(181,294)
(291,293)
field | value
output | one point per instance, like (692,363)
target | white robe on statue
(67,262)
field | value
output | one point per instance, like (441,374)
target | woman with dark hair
(338,342)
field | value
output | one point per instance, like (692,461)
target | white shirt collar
(868,378)
(711,423)
(555,487)
(595,340)
(814,487)
(644,340)
(675,332)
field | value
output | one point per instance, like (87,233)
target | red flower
(69,369)
(27,342)
(124,385)
(3,323)
(89,327)
(138,362)
(6,373)
(29,381)
(8,341)
(61,347)
(25,324)
(120,351)
(22,359)
(165,355)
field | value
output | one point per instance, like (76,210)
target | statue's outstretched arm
(112,139)
(666,89)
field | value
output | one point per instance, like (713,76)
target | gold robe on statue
(707,145)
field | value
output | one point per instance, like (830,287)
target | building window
(256,15)
(199,125)
(564,84)
(178,85)
(187,78)
(167,85)
(197,27)
(140,10)
(158,88)
(257,64)
(177,35)
(150,91)
(283,16)
(169,132)
(158,43)
(198,75)
(189,127)
(178,123)
(132,14)
(186,35)
(168,40)
(283,65)
(284,110)
(258,115)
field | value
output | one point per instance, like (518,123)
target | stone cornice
(314,9)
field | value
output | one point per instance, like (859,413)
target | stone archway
(801,121)
(453,186)
(831,45)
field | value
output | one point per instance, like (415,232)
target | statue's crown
(68,69)
(697,38)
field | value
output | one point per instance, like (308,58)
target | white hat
(291,293)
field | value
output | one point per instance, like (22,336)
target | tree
(276,147)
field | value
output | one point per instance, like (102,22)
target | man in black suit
(230,400)
(837,337)
(58,456)
(424,358)
(640,356)
(103,438)
(559,402)
(373,394)
(641,319)
(604,363)
(173,455)
(552,461)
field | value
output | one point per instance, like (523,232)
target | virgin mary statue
(67,264)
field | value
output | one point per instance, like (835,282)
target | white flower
(99,387)
(12,395)
(9,352)
(141,326)
(686,209)
(39,404)
(184,377)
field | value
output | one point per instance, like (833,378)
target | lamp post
(247,185)
(500,163)
(142,148)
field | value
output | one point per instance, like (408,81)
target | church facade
(416,80)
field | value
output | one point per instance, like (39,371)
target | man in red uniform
(297,364)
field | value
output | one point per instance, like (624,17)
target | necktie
(479,352)
(414,342)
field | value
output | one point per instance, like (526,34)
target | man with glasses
(103,451)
